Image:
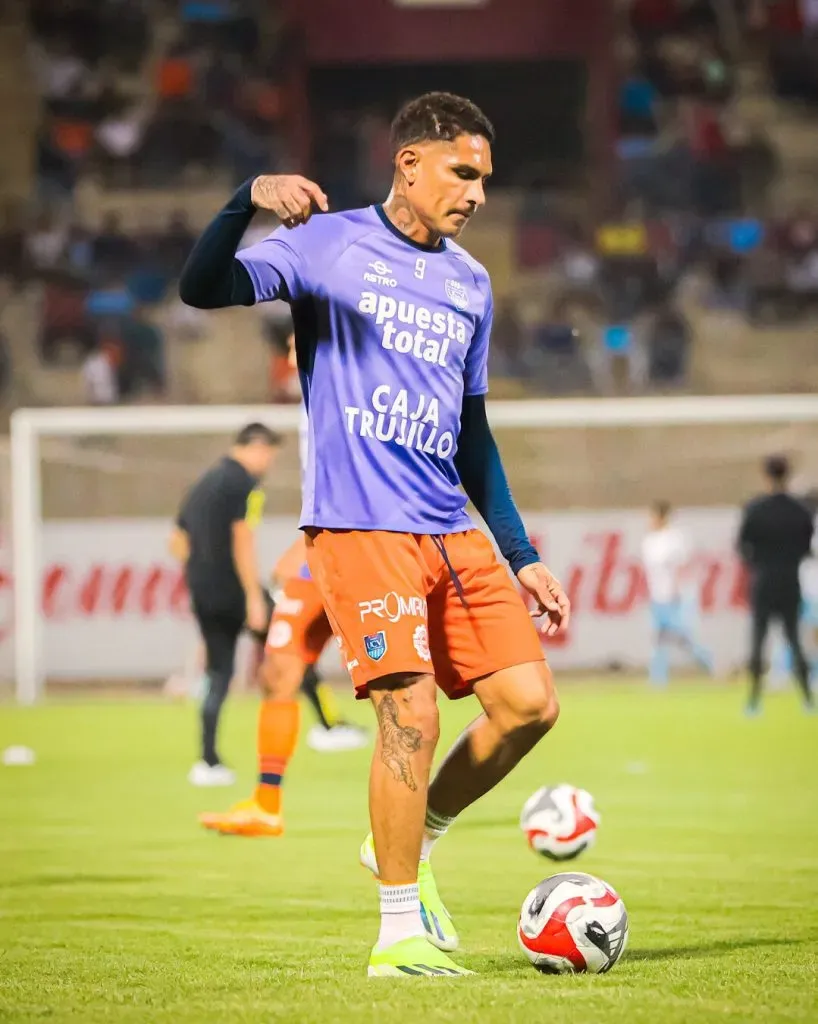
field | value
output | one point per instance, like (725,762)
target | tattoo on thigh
(398,741)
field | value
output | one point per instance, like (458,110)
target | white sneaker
(340,737)
(206,775)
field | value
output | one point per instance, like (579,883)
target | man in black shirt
(213,536)
(774,538)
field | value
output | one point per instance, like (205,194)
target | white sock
(400,914)
(436,825)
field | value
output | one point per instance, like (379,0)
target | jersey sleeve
(476,370)
(288,263)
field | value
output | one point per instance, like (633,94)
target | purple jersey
(390,336)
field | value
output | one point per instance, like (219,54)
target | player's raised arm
(213,277)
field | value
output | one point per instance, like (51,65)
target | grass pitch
(115,906)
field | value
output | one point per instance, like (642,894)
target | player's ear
(406,163)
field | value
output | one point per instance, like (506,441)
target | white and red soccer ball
(560,821)
(573,923)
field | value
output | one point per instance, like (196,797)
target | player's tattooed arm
(289,196)
(398,742)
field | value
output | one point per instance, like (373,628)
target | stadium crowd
(159,95)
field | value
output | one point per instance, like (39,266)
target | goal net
(97,597)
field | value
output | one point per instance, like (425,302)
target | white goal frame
(29,426)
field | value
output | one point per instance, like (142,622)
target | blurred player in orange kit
(299,631)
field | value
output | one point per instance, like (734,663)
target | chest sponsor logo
(409,422)
(412,329)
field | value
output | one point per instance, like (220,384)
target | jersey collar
(405,238)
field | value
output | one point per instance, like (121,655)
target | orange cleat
(245,818)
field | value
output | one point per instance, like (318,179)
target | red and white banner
(115,606)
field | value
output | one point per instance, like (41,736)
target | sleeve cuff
(523,558)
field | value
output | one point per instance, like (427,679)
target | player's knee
(280,676)
(531,704)
(540,711)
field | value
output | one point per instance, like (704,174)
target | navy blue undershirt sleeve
(212,277)
(484,480)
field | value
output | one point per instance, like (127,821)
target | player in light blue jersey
(393,320)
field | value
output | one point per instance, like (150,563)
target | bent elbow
(191,295)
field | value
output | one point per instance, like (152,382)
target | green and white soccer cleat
(413,958)
(440,929)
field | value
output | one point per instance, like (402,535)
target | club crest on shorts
(375,645)
(457,294)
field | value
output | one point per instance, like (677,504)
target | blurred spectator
(112,299)
(59,72)
(798,235)
(144,353)
(79,251)
(506,349)
(560,362)
(45,244)
(758,166)
(337,161)
(113,253)
(374,146)
(651,19)
(120,136)
(99,376)
(619,360)
(63,319)
(56,172)
(638,102)
(12,245)
(173,245)
(669,347)
(175,75)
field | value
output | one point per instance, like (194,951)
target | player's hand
(552,601)
(257,613)
(289,196)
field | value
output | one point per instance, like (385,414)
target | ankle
(400,914)
(435,826)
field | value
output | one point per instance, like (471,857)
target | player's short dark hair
(661,508)
(438,117)
(255,433)
(777,467)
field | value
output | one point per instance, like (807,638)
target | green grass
(114,906)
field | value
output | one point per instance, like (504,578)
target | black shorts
(230,617)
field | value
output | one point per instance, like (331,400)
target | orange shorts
(394,606)
(299,624)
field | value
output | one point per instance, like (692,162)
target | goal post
(30,427)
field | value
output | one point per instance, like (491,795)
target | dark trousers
(220,631)
(771,602)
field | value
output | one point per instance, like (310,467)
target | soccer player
(774,538)
(213,536)
(664,555)
(299,631)
(392,321)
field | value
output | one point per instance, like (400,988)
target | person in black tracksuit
(214,537)
(774,538)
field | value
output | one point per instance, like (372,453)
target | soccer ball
(560,821)
(573,923)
